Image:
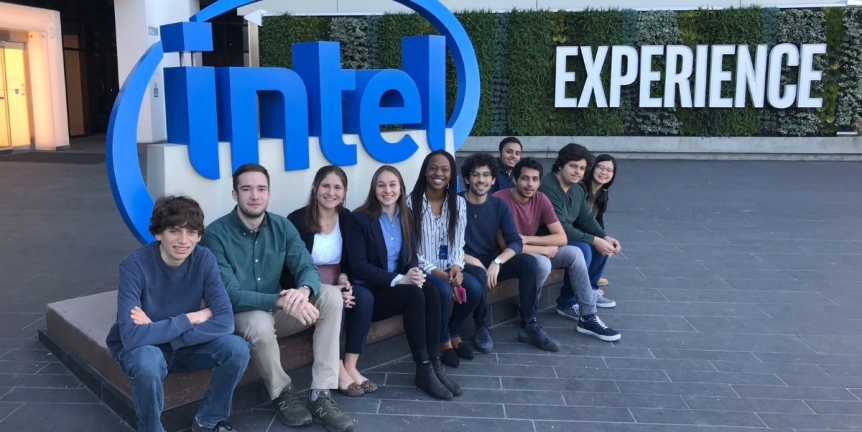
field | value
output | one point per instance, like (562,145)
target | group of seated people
(428,254)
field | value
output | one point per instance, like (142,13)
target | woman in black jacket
(596,183)
(321,225)
(382,253)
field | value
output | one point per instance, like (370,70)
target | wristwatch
(498,261)
(310,291)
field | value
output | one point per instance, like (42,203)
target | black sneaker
(290,409)
(221,426)
(595,327)
(325,411)
(535,335)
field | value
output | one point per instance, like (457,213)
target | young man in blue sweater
(486,216)
(161,327)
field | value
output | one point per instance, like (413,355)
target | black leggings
(421,314)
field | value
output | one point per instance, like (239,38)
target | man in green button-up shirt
(253,249)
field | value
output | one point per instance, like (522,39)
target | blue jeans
(596,263)
(461,311)
(148,365)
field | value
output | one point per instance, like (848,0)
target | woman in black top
(596,183)
(321,225)
(383,262)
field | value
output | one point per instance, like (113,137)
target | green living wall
(516,54)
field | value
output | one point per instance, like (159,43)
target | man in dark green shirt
(582,230)
(253,248)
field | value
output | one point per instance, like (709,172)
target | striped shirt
(435,233)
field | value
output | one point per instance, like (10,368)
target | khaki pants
(262,330)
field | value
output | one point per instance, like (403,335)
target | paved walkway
(739,291)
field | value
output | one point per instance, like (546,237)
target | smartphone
(461,294)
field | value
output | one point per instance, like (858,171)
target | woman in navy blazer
(387,282)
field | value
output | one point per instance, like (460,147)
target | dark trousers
(530,280)
(420,310)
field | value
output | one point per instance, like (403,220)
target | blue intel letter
(190,111)
(319,65)
(277,89)
(424,59)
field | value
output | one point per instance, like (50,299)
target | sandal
(353,390)
(368,386)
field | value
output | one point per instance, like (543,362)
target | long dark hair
(451,194)
(600,198)
(311,223)
(373,208)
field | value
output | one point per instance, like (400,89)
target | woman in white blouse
(321,226)
(440,218)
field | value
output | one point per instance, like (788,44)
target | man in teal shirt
(582,230)
(275,290)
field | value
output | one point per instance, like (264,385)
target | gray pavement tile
(54,369)
(621,293)
(611,374)
(854,370)
(718,274)
(686,309)
(529,397)
(50,417)
(603,351)
(697,417)
(69,395)
(253,420)
(624,400)
(822,381)
(367,404)
(545,412)
(675,282)
(556,426)
(773,285)
(550,360)
(668,364)
(812,421)
(15,325)
(378,422)
(723,377)
(834,344)
(627,236)
(26,367)
(39,381)
(25,305)
(687,354)
(821,359)
(715,341)
(461,408)
(747,296)
(807,393)
(835,407)
(857,393)
(7,408)
(466,382)
(651,247)
(747,404)
(675,388)
(777,368)
(655,263)
(832,248)
(690,255)
(782,324)
(559,384)
(622,322)
(819,275)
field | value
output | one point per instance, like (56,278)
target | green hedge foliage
(516,54)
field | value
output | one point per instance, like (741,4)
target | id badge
(444,252)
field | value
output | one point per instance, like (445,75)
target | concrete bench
(77,328)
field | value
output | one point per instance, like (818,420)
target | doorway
(14,96)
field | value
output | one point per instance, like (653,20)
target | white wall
(277,7)
(134,19)
(47,77)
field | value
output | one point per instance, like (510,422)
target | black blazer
(308,237)
(367,252)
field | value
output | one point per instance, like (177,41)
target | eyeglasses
(605,170)
(476,174)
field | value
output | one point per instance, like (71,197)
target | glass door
(14,96)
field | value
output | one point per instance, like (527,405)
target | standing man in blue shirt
(486,216)
(275,291)
(161,327)
(510,155)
